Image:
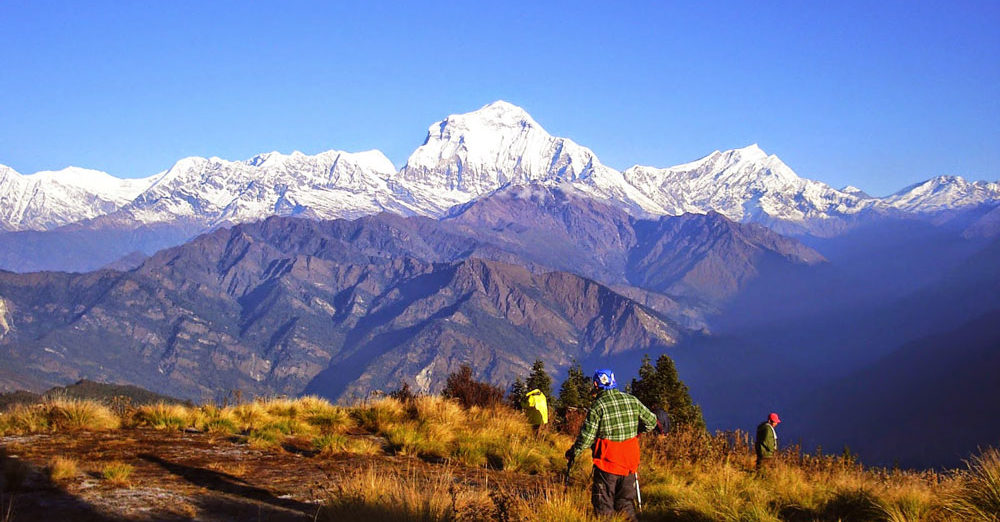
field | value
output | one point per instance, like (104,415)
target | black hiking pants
(611,493)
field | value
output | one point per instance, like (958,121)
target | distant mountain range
(342,307)
(497,244)
(464,157)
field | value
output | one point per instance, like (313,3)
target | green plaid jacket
(614,416)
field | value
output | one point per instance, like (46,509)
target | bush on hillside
(403,394)
(470,392)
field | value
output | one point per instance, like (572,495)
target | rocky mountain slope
(232,310)
(342,307)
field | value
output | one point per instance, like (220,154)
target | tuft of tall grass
(22,419)
(250,415)
(164,416)
(440,429)
(379,414)
(268,438)
(62,468)
(405,438)
(372,496)
(81,415)
(282,407)
(907,503)
(334,443)
(387,496)
(330,420)
(59,414)
(215,420)
(978,497)
(118,473)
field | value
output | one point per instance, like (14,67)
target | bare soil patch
(184,476)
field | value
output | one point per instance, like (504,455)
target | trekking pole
(638,494)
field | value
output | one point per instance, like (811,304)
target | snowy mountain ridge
(49,199)
(462,158)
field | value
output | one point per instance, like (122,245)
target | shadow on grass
(252,501)
(846,505)
(27,493)
(299,448)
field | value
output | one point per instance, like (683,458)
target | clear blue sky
(874,94)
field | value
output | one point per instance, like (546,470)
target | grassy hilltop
(426,458)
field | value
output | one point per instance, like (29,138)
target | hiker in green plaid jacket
(612,432)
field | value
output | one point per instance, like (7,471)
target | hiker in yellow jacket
(537,409)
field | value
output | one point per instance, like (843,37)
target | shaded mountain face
(705,258)
(81,247)
(342,307)
(311,313)
(929,403)
(801,346)
(708,256)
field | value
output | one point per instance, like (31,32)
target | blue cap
(605,379)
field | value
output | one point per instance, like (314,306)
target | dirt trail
(184,476)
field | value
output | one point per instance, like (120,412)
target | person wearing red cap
(766,442)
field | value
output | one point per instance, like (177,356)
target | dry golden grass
(977,496)
(214,420)
(62,468)
(164,416)
(117,473)
(250,415)
(58,415)
(73,414)
(335,443)
(21,419)
(236,469)
(376,496)
(685,476)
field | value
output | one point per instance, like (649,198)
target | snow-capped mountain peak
(48,199)
(749,153)
(468,155)
(944,193)
(214,191)
(740,183)
(494,116)
(463,157)
(855,191)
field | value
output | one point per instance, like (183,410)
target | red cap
(773,418)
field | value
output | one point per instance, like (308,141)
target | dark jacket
(766,442)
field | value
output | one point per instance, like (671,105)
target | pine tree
(516,394)
(538,379)
(575,390)
(660,387)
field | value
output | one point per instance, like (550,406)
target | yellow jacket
(536,407)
